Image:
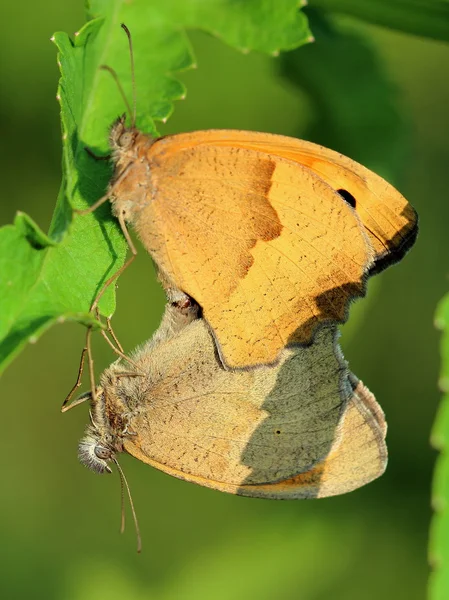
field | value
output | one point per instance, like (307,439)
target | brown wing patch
(203,204)
(257,210)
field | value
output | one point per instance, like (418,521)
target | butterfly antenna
(92,421)
(122,505)
(124,484)
(119,85)
(133,72)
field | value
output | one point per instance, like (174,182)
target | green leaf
(428,18)
(353,100)
(439,533)
(35,293)
(47,279)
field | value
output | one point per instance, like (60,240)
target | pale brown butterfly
(304,428)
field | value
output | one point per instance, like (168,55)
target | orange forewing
(390,221)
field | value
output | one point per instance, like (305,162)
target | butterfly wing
(357,456)
(266,247)
(389,220)
(245,432)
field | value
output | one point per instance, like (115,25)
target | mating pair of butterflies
(261,241)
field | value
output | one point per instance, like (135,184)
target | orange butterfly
(270,235)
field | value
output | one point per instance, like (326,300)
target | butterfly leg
(117,274)
(90,362)
(121,354)
(65,405)
(87,396)
(111,331)
(93,308)
(87,350)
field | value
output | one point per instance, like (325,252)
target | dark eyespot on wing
(347,197)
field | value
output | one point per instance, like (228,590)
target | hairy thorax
(131,186)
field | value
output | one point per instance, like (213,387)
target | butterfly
(272,236)
(304,428)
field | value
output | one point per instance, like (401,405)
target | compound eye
(125,139)
(102,452)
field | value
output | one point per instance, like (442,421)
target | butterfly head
(122,138)
(100,443)
(94,451)
(104,438)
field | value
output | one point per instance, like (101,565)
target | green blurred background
(59,523)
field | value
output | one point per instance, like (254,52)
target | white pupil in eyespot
(101,452)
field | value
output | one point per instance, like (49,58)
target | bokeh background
(59,523)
